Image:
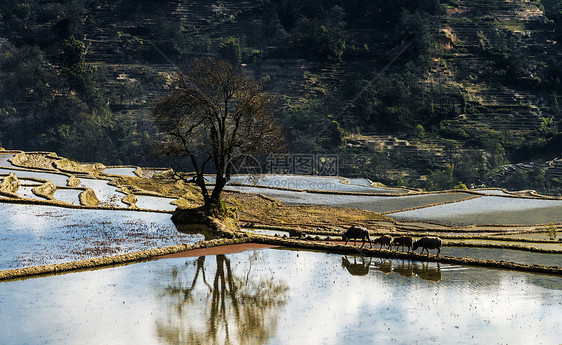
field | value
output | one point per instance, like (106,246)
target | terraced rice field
(32,235)
(365,202)
(297,296)
(489,210)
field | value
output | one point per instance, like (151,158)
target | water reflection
(425,271)
(37,235)
(405,268)
(355,268)
(229,308)
(358,266)
(281,297)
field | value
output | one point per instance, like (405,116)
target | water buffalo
(403,241)
(427,243)
(356,232)
(384,240)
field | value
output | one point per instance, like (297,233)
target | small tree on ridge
(213,113)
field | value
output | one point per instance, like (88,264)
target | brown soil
(265,211)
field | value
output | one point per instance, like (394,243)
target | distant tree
(73,51)
(214,113)
(230,50)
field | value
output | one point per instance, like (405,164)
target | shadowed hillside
(430,94)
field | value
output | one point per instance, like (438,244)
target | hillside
(431,94)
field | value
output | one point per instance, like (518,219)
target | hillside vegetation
(430,94)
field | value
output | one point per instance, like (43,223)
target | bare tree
(215,113)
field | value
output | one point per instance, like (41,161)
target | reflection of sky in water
(371,203)
(27,192)
(324,304)
(120,171)
(155,203)
(107,194)
(490,210)
(491,191)
(4,157)
(310,182)
(71,196)
(35,235)
(359,181)
(58,179)
(519,256)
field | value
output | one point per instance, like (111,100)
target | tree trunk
(219,186)
(200,181)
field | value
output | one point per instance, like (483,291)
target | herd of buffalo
(426,243)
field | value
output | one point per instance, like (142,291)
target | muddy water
(283,297)
(33,235)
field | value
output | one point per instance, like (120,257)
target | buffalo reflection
(385,266)
(356,269)
(228,309)
(405,268)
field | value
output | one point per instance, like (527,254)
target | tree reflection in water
(233,309)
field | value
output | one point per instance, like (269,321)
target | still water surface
(283,297)
(490,210)
(37,235)
(365,202)
(128,171)
(309,182)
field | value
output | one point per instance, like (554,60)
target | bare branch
(216,109)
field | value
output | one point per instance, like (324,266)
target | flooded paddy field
(33,235)
(278,296)
(58,179)
(155,203)
(124,171)
(489,210)
(305,182)
(545,246)
(106,193)
(365,202)
(491,191)
(27,192)
(4,159)
(450,249)
(518,256)
(71,196)
(531,236)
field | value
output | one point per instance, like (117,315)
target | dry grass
(41,161)
(269,212)
(73,167)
